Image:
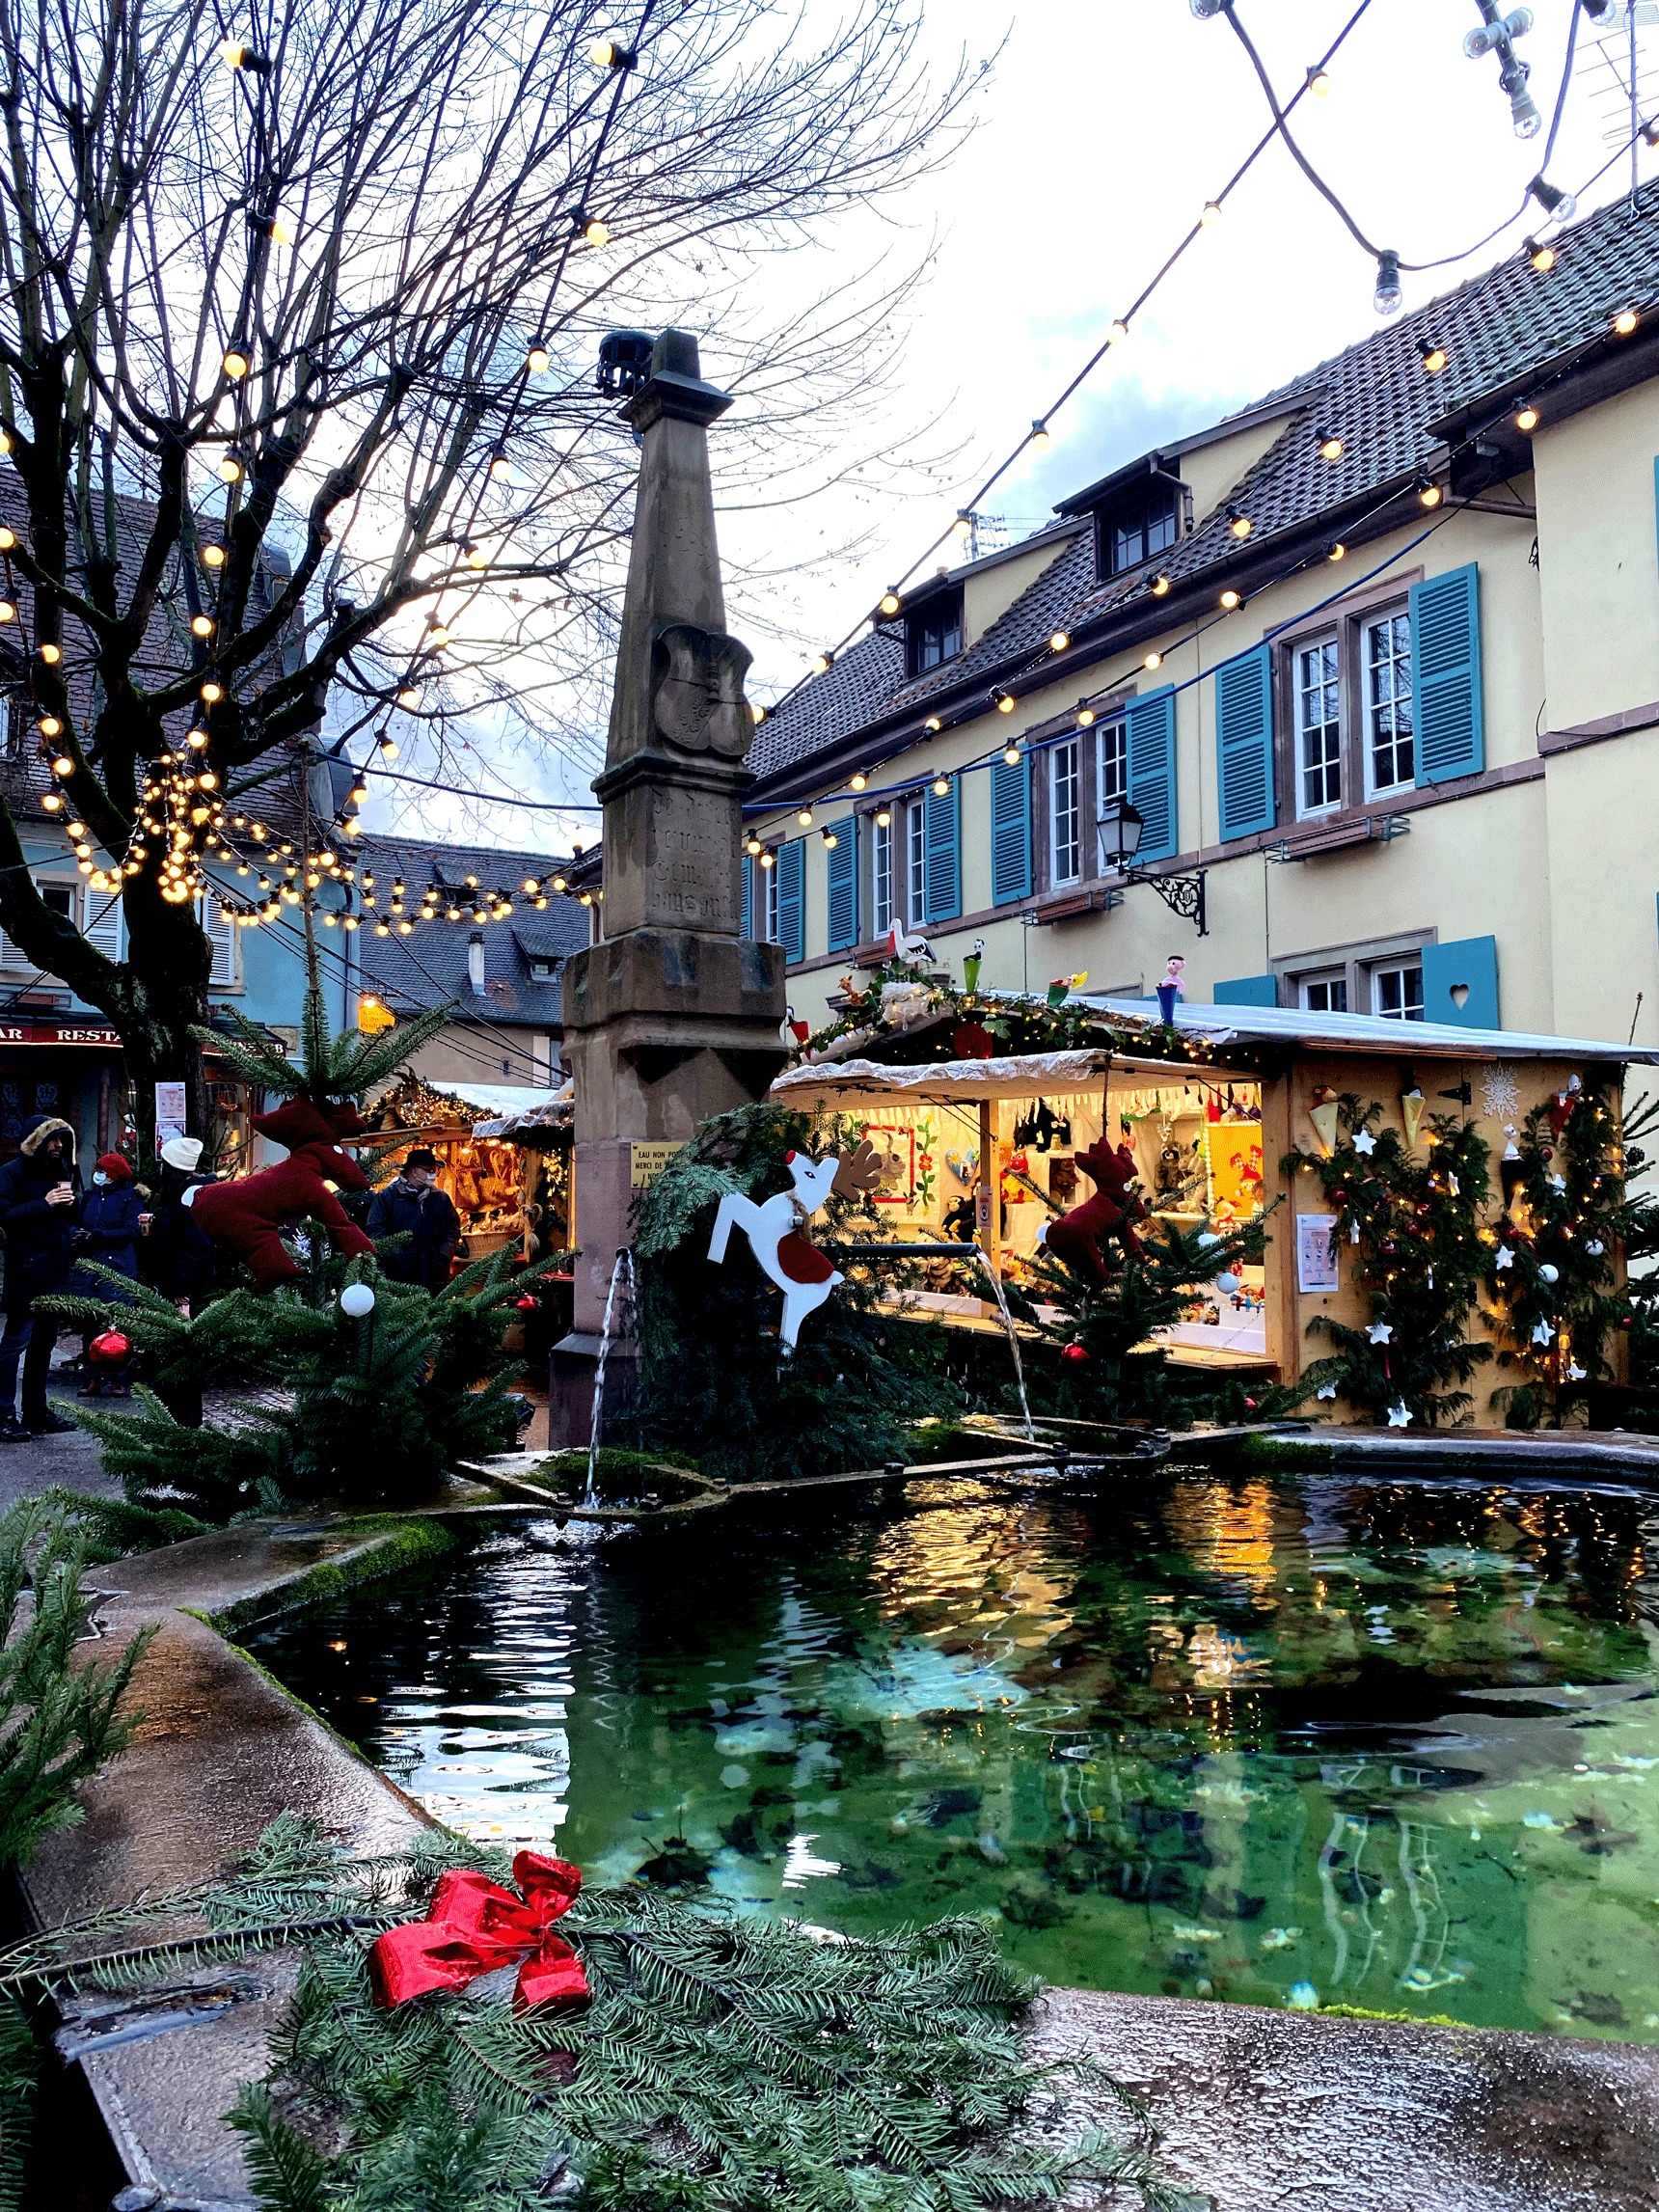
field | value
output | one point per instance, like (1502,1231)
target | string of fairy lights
(184,822)
(1554,208)
(1525,409)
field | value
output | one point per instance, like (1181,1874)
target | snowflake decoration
(1499,1092)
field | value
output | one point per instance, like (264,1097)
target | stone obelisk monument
(675,1015)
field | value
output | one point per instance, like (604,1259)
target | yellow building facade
(1370,670)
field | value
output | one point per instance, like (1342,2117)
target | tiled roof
(834,704)
(430,965)
(1496,329)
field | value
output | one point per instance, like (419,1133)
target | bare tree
(296,354)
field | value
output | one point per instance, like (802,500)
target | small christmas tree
(1111,1367)
(1550,1269)
(1413,1226)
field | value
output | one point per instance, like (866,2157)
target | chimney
(475,961)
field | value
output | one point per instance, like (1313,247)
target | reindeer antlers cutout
(859,1170)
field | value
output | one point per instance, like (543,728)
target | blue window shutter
(1010,831)
(1466,970)
(1244,742)
(842,873)
(747,866)
(1446,676)
(941,821)
(1152,773)
(792,900)
(1246,991)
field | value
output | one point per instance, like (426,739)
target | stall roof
(1022,1076)
(1371,1033)
(528,1109)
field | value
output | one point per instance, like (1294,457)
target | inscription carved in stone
(698,702)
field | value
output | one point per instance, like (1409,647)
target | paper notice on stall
(172,1112)
(1316,1252)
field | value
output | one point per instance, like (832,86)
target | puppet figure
(244,1218)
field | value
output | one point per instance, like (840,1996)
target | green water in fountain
(1393,1747)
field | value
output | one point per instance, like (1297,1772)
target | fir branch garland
(727,2063)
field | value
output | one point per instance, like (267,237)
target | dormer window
(1133,533)
(543,970)
(933,632)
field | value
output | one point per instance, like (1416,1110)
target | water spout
(622,1265)
(1013,1339)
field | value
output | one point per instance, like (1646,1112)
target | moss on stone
(1262,1450)
(397,1543)
(1403,2019)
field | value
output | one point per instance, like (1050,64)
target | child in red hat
(108,1233)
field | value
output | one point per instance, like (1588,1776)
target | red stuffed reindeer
(1075,1238)
(244,1217)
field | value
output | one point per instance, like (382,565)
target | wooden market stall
(499,1157)
(985,1149)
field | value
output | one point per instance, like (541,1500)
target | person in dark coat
(412,1203)
(179,1258)
(40,1206)
(108,1233)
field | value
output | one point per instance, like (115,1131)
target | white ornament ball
(357,1299)
(1548,1274)
(1227,1284)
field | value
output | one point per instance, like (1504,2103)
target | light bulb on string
(1058,640)
(890,603)
(538,360)
(1041,436)
(202,625)
(51,654)
(1388,297)
(1209,213)
(858,779)
(7,611)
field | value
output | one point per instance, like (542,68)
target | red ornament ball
(525,1304)
(1073,1351)
(110,1348)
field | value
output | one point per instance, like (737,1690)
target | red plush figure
(1075,1238)
(245,1217)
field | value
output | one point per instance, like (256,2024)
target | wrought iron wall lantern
(1120,832)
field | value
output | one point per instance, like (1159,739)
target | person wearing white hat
(178,1257)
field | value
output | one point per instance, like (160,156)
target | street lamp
(1120,825)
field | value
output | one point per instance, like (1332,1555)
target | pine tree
(1412,1229)
(1109,1367)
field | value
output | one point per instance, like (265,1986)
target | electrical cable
(1279,129)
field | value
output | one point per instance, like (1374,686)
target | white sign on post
(171,1112)
(1316,1252)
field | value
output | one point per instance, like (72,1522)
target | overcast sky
(1102,130)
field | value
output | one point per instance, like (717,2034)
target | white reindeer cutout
(801,1271)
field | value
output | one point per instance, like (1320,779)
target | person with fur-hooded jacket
(40,1206)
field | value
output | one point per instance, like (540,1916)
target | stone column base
(571,1372)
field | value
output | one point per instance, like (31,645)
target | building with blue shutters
(1364,676)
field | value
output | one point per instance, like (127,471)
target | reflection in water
(1385,1745)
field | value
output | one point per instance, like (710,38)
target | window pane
(882,877)
(1318,726)
(1325,993)
(1397,991)
(1065,821)
(771,904)
(1111,782)
(916,833)
(1391,741)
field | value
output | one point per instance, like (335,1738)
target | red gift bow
(476,1926)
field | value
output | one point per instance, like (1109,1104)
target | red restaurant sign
(58,1033)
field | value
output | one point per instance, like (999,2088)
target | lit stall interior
(1198,1151)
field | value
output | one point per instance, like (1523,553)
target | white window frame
(769,902)
(916,863)
(881,875)
(1397,662)
(1325,980)
(1064,813)
(1111,778)
(12,958)
(1329,732)
(1403,968)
